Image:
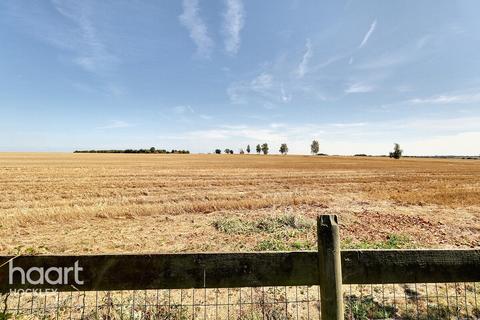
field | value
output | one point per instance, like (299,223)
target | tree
(265,148)
(259,149)
(248,149)
(218,151)
(315,147)
(227,151)
(397,152)
(283,148)
(241,151)
(231,151)
(152,150)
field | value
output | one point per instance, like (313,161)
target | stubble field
(93,203)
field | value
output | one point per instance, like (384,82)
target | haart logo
(42,276)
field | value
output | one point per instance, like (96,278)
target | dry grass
(118,202)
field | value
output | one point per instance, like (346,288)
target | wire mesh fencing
(412,301)
(221,303)
(388,301)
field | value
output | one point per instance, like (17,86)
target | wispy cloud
(359,87)
(205,117)
(285,97)
(264,89)
(234,20)
(239,92)
(348,125)
(272,134)
(114,90)
(328,62)
(184,114)
(92,53)
(190,19)
(368,34)
(183,109)
(423,41)
(235,93)
(448,99)
(263,82)
(73,30)
(116,124)
(386,61)
(409,52)
(303,66)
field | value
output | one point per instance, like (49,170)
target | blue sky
(196,74)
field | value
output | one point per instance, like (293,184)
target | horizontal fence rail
(256,269)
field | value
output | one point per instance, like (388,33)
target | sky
(357,76)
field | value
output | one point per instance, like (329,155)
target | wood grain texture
(409,266)
(211,270)
(163,271)
(330,267)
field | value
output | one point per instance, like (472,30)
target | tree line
(259,148)
(264,148)
(151,150)
(314,150)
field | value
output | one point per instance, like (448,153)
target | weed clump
(268,225)
(364,308)
(392,241)
(282,231)
(233,226)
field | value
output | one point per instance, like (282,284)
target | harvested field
(72,203)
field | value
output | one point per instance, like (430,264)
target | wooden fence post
(330,268)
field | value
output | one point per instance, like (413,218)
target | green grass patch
(282,229)
(292,221)
(393,241)
(5,316)
(285,240)
(233,226)
(271,224)
(364,308)
(271,245)
(441,312)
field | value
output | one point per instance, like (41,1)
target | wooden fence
(328,267)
